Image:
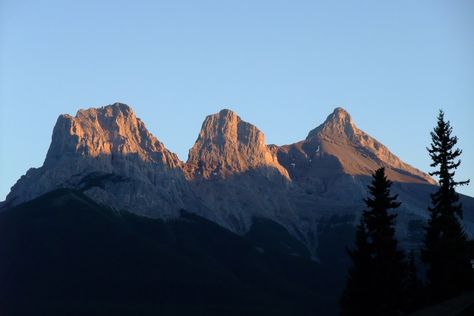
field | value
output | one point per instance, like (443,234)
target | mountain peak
(112,110)
(223,118)
(339,115)
(111,129)
(109,154)
(228,145)
(357,152)
(227,112)
(338,124)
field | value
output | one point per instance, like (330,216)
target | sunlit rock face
(107,131)
(336,160)
(338,146)
(235,173)
(108,153)
(227,146)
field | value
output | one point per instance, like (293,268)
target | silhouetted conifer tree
(414,292)
(445,248)
(375,283)
(356,297)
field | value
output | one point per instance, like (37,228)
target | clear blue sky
(282,65)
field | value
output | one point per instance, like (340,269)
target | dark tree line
(382,279)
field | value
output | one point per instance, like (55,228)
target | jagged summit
(109,153)
(338,124)
(111,109)
(227,112)
(350,150)
(114,110)
(339,115)
(112,129)
(226,145)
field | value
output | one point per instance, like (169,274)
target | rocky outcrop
(110,155)
(228,146)
(235,173)
(107,131)
(338,147)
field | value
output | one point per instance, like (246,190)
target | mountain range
(231,176)
(300,200)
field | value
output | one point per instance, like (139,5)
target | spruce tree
(414,292)
(356,298)
(375,281)
(445,249)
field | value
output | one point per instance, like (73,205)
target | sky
(281,65)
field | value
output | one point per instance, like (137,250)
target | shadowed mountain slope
(63,253)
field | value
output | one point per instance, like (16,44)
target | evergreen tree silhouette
(356,297)
(414,292)
(375,283)
(445,249)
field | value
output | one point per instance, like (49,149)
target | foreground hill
(64,254)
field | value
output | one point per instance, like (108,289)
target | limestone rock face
(110,155)
(228,146)
(107,131)
(339,147)
(339,134)
(235,173)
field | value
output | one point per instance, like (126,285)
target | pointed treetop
(444,153)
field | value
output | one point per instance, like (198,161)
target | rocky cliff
(110,155)
(228,146)
(235,173)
